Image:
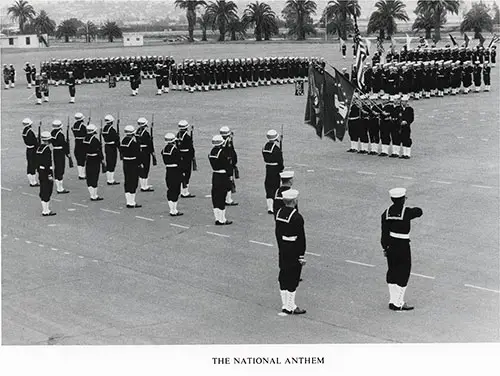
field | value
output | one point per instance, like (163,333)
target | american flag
(361,55)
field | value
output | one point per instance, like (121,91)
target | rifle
(118,131)
(103,164)
(70,160)
(236,170)
(195,165)
(152,141)
(90,116)
(39,136)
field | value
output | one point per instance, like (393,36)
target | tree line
(339,17)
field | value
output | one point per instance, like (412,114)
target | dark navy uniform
(273,158)
(354,121)
(111,144)
(31,142)
(172,159)
(79,132)
(220,178)
(44,166)
(131,153)
(146,143)
(60,150)
(186,149)
(407,118)
(94,157)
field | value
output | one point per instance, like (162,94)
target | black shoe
(148,189)
(298,311)
(98,198)
(383,155)
(63,191)
(82,178)
(270,212)
(404,307)
(134,206)
(188,196)
(234,203)
(113,183)
(217,223)
(286,311)
(372,153)
(300,279)
(362,152)
(394,156)
(176,214)
(49,214)
(35,185)
(352,151)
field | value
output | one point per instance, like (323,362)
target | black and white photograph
(249,187)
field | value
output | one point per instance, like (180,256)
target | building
(132,39)
(23,41)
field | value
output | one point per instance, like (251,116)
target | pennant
(495,39)
(329,110)
(453,40)
(481,39)
(408,41)
(466,40)
(342,98)
(315,102)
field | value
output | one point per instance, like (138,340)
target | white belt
(30,146)
(79,138)
(171,165)
(92,155)
(289,238)
(220,171)
(143,146)
(184,150)
(109,142)
(57,147)
(399,236)
(271,163)
(355,118)
(41,168)
(129,158)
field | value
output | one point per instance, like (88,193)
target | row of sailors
(9,76)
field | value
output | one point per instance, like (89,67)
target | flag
(315,101)
(361,55)
(368,45)
(495,39)
(481,39)
(408,41)
(380,46)
(329,110)
(343,92)
(453,40)
(466,39)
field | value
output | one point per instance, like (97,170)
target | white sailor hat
(142,121)
(183,124)
(170,137)
(272,135)
(373,97)
(45,135)
(109,119)
(397,192)
(385,97)
(79,116)
(224,131)
(217,140)
(57,124)
(290,194)
(396,97)
(91,128)
(405,97)
(287,174)
(27,121)
(129,129)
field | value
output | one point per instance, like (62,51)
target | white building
(132,39)
(23,41)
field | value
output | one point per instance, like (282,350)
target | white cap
(385,97)
(290,194)
(91,128)
(217,140)
(57,124)
(142,121)
(79,116)
(287,174)
(109,119)
(27,121)
(170,137)
(183,124)
(397,192)
(129,129)
(225,131)
(272,135)
(405,97)
(45,135)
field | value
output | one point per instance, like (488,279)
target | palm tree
(341,11)
(111,30)
(190,6)
(383,19)
(496,14)
(337,25)
(270,27)
(43,24)
(221,12)
(438,6)
(204,22)
(236,27)
(477,19)
(425,21)
(262,17)
(22,12)
(298,15)
(66,29)
(90,30)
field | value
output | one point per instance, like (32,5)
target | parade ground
(98,273)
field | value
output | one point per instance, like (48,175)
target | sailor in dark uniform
(31,142)
(230,154)
(111,143)
(144,138)
(27,70)
(70,81)
(60,149)
(407,118)
(286,184)
(291,239)
(172,159)
(395,241)
(487,76)
(79,132)
(94,157)
(130,151)
(44,166)
(186,149)
(354,121)
(273,158)
(220,180)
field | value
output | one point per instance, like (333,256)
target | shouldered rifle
(70,160)
(39,136)
(103,164)
(118,131)
(195,165)
(155,162)
(235,168)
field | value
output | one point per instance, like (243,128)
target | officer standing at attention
(407,118)
(131,153)
(70,81)
(111,144)
(395,241)
(286,184)
(31,142)
(230,154)
(44,165)
(60,151)
(79,132)
(291,239)
(94,157)
(172,159)
(220,180)
(273,158)
(27,70)
(186,149)
(144,138)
